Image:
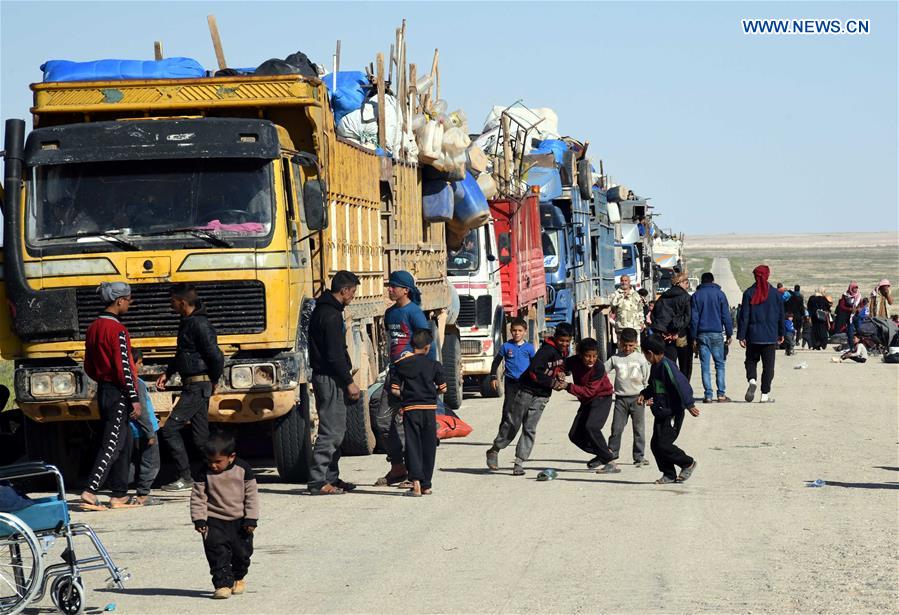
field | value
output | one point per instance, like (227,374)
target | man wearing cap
(199,361)
(108,361)
(401,320)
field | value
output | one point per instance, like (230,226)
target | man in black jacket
(671,321)
(199,361)
(332,383)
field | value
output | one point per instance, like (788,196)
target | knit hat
(110,291)
(404,279)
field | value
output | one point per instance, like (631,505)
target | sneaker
(750,392)
(646,462)
(766,398)
(181,485)
(492,459)
(685,473)
(594,463)
(640,462)
(609,468)
(240,586)
(222,593)
(707,400)
(723,399)
(517,470)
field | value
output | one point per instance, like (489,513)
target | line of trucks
(240,185)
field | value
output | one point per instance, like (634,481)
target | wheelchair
(26,539)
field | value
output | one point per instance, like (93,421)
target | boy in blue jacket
(669,396)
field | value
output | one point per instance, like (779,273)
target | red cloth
(451,427)
(761,274)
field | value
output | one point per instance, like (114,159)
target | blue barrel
(471,209)
(436,201)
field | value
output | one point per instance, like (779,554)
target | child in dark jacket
(536,385)
(224,506)
(669,395)
(592,387)
(418,379)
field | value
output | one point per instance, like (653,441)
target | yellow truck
(238,185)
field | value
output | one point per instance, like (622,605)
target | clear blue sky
(726,132)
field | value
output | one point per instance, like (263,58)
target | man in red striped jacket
(108,361)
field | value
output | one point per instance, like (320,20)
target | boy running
(668,395)
(517,355)
(536,385)
(592,388)
(631,377)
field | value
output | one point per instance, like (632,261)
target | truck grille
(234,307)
(475,311)
(471,347)
(467,311)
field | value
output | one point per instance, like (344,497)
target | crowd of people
(651,367)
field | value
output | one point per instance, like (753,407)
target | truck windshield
(551,250)
(149,199)
(467,258)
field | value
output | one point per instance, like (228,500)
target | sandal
(412,494)
(85,506)
(342,484)
(609,468)
(119,505)
(665,481)
(150,501)
(389,480)
(686,473)
(427,491)
(327,489)
(406,484)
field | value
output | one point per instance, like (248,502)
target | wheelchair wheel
(67,594)
(21,566)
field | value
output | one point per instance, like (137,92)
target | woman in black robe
(819,313)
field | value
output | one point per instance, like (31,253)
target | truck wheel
(51,443)
(452,368)
(380,425)
(585,179)
(292,441)
(359,438)
(601,325)
(487,390)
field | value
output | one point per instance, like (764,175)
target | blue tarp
(555,147)
(548,180)
(103,70)
(352,89)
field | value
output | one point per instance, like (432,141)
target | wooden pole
(507,152)
(157,50)
(337,64)
(380,85)
(216,42)
(434,73)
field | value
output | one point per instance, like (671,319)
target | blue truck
(578,249)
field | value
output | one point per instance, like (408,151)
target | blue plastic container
(556,147)
(104,70)
(470,208)
(437,201)
(549,181)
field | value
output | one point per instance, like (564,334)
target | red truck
(498,274)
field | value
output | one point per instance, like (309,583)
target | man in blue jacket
(760,331)
(709,316)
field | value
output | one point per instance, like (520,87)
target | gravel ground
(744,534)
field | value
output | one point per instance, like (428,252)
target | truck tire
(292,441)
(585,179)
(359,439)
(452,369)
(487,390)
(601,326)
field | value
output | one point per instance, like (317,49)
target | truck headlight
(242,376)
(248,375)
(52,384)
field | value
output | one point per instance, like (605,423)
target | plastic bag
(102,70)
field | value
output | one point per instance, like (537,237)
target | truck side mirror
(505,248)
(647,263)
(314,191)
(314,204)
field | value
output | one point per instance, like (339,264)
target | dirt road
(724,277)
(744,534)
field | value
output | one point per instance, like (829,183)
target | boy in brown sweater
(224,506)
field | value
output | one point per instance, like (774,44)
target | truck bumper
(224,408)
(476,366)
